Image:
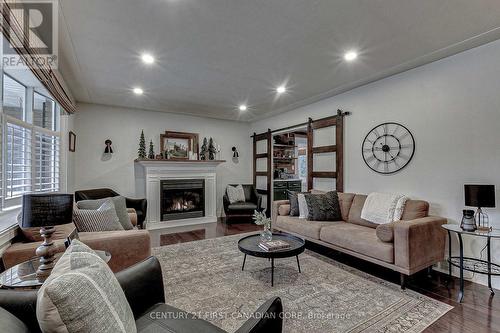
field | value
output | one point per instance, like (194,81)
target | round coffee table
(249,245)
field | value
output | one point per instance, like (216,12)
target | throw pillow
(235,193)
(294,202)
(303,209)
(120,204)
(102,219)
(83,295)
(323,207)
(385,232)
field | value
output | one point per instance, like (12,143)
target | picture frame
(72,141)
(180,145)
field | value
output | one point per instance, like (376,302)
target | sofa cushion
(415,209)
(385,232)
(345,201)
(359,239)
(242,206)
(309,229)
(355,212)
(323,207)
(284,210)
(165,318)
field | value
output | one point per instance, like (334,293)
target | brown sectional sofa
(410,245)
(127,247)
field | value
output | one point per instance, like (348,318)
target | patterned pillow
(235,193)
(83,295)
(323,207)
(303,209)
(102,219)
(294,202)
(120,207)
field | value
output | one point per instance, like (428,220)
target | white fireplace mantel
(154,171)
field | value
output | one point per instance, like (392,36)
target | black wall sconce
(236,155)
(108,149)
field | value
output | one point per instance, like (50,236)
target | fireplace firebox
(182,199)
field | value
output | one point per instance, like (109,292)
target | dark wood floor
(478,313)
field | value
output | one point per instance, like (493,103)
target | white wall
(96,123)
(452,108)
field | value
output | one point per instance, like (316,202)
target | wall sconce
(236,155)
(108,149)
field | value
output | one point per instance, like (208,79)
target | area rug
(204,277)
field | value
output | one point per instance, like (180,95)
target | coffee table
(249,245)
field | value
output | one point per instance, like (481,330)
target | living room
(364,137)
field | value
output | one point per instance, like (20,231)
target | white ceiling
(215,54)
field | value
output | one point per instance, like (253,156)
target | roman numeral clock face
(388,148)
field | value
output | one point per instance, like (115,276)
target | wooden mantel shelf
(180,161)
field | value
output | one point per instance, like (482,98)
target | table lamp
(480,196)
(46,211)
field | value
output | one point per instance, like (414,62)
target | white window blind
(46,162)
(18,173)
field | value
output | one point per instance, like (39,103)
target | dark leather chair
(143,287)
(242,211)
(140,205)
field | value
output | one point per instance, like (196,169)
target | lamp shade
(45,210)
(480,196)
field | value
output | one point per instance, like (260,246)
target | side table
(474,265)
(23,275)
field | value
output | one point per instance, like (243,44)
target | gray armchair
(243,211)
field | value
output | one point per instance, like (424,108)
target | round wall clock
(388,148)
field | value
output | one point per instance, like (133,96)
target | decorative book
(274,245)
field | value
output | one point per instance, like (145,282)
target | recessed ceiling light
(138,91)
(147,58)
(242,107)
(350,56)
(281,89)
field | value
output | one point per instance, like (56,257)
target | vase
(266,235)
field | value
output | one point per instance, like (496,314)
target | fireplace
(182,199)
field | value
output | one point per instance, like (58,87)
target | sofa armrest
(141,207)
(275,208)
(258,199)
(22,304)
(142,284)
(225,202)
(126,247)
(267,318)
(419,243)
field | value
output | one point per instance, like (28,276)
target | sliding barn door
(262,172)
(325,152)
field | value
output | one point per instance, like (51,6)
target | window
(31,143)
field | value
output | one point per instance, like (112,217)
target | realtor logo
(30,34)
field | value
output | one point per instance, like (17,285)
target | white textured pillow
(235,194)
(400,208)
(103,218)
(83,295)
(303,210)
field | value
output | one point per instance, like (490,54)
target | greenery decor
(142,147)
(151,154)
(204,150)
(211,150)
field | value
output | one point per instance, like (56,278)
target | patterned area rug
(205,278)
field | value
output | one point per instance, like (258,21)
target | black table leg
(449,259)
(461,293)
(298,264)
(244,259)
(272,272)
(489,266)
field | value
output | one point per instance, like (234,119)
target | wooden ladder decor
(337,148)
(267,155)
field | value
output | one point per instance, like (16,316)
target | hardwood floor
(478,313)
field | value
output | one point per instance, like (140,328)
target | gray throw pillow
(120,207)
(323,207)
(83,295)
(294,202)
(101,219)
